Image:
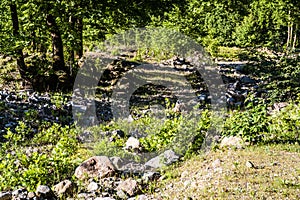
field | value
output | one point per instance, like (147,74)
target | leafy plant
(46,159)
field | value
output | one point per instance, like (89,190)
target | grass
(277,175)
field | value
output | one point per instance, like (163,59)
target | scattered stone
(164,159)
(140,197)
(83,196)
(249,164)
(232,141)
(64,187)
(19,194)
(44,192)
(216,163)
(97,166)
(121,194)
(93,186)
(129,186)
(150,176)
(31,195)
(278,106)
(133,144)
(104,198)
(5,195)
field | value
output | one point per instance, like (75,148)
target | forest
(46,154)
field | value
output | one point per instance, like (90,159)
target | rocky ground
(102,177)
(16,105)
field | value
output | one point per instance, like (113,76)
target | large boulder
(97,166)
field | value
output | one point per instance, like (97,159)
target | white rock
(232,141)
(133,143)
(93,186)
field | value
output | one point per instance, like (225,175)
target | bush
(47,158)
(255,125)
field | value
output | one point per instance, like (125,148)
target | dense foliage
(47,38)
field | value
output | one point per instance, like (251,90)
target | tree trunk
(295,37)
(289,34)
(19,52)
(79,26)
(57,45)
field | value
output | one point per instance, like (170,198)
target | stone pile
(101,177)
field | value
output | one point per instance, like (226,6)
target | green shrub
(285,125)
(249,124)
(47,158)
(255,125)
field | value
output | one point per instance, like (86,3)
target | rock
(117,162)
(121,194)
(83,196)
(232,141)
(93,186)
(164,159)
(129,186)
(64,187)
(216,163)
(278,106)
(31,195)
(249,164)
(104,198)
(150,176)
(19,194)
(247,80)
(5,195)
(133,144)
(118,133)
(44,192)
(135,168)
(97,166)
(140,197)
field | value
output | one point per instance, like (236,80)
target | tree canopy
(47,38)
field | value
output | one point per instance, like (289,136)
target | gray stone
(117,162)
(64,188)
(44,192)
(97,166)
(164,159)
(232,141)
(31,195)
(129,186)
(150,176)
(121,194)
(247,80)
(104,198)
(140,197)
(93,186)
(216,163)
(5,195)
(19,194)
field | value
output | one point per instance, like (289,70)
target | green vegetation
(46,158)
(46,47)
(256,124)
(42,45)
